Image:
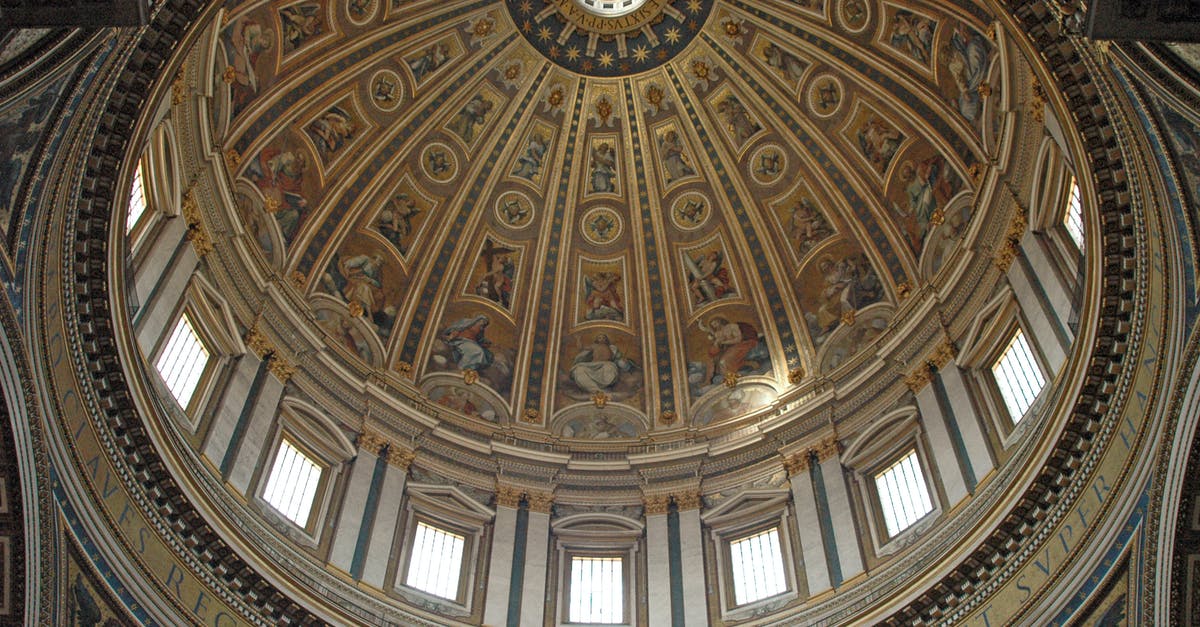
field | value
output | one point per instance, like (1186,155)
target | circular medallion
(439,163)
(386,90)
(690,211)
(601,225)
(825,95)
(609,37)
(768,164)
(854,14)
(514,209)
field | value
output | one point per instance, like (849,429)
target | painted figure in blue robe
(471,348)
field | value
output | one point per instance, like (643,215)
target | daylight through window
(757,566)
(436,562)
(1018,376)
(1073,218)
(596,591)
(137,200)
(293,482)
(903,495)
(182,362)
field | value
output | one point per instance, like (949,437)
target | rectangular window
(292,484)
(435,564)
(1073,217)
(137,200)
(1018,376)
(182,362)
(757,566)
(903,495)
(597,590)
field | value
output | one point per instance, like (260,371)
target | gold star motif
(572,53)
(527,26)
(526,6)
(606,59)
(694,6)
(641,53)
(545,33)
(587,66)
(672,35)
(553,52)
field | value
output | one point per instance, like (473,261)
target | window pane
(292,484)
(435,565)
(182,361)
(597,591)
(756,563)
(903,495)
(1073,216)
(137,200)
(1018,376)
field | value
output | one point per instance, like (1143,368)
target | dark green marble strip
(547,299)
(765,275)
(450,244)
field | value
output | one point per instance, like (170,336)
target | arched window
(1073,215)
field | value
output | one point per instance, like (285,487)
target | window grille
(1073,217)
(1018,376)
(757,566)
(903,495)
(435,564)
(293,482)
(137,200)
(183,361)
(597,590)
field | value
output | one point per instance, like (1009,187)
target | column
(808,523)
(160,282)
(252,432)
(695,599)
(1044,328)
(537,549)
(943,438)
(1059,294)
(243,385)
(952,383)
(830,484)
(658,566)
(386,516)
(359,489)
(499,576)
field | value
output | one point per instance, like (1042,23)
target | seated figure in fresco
(599,366)
(733,348)
(466,339)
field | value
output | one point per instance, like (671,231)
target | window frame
(891,462)
(597,535)
(315,460)
(449,509)
(324,445)
(1009,338)
(874,451)
(750,512)
(985,387)
(162,189)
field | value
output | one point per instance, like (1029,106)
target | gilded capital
(280,367)
(796,463)
(942,354)
(919,378)
(371,442)
(508,496)
(400,458)
(656,503)
(687,500)
(828,449)
(257,341)
(540,501)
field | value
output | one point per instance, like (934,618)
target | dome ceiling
(605,225)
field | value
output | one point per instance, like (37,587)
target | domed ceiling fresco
(605,221)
